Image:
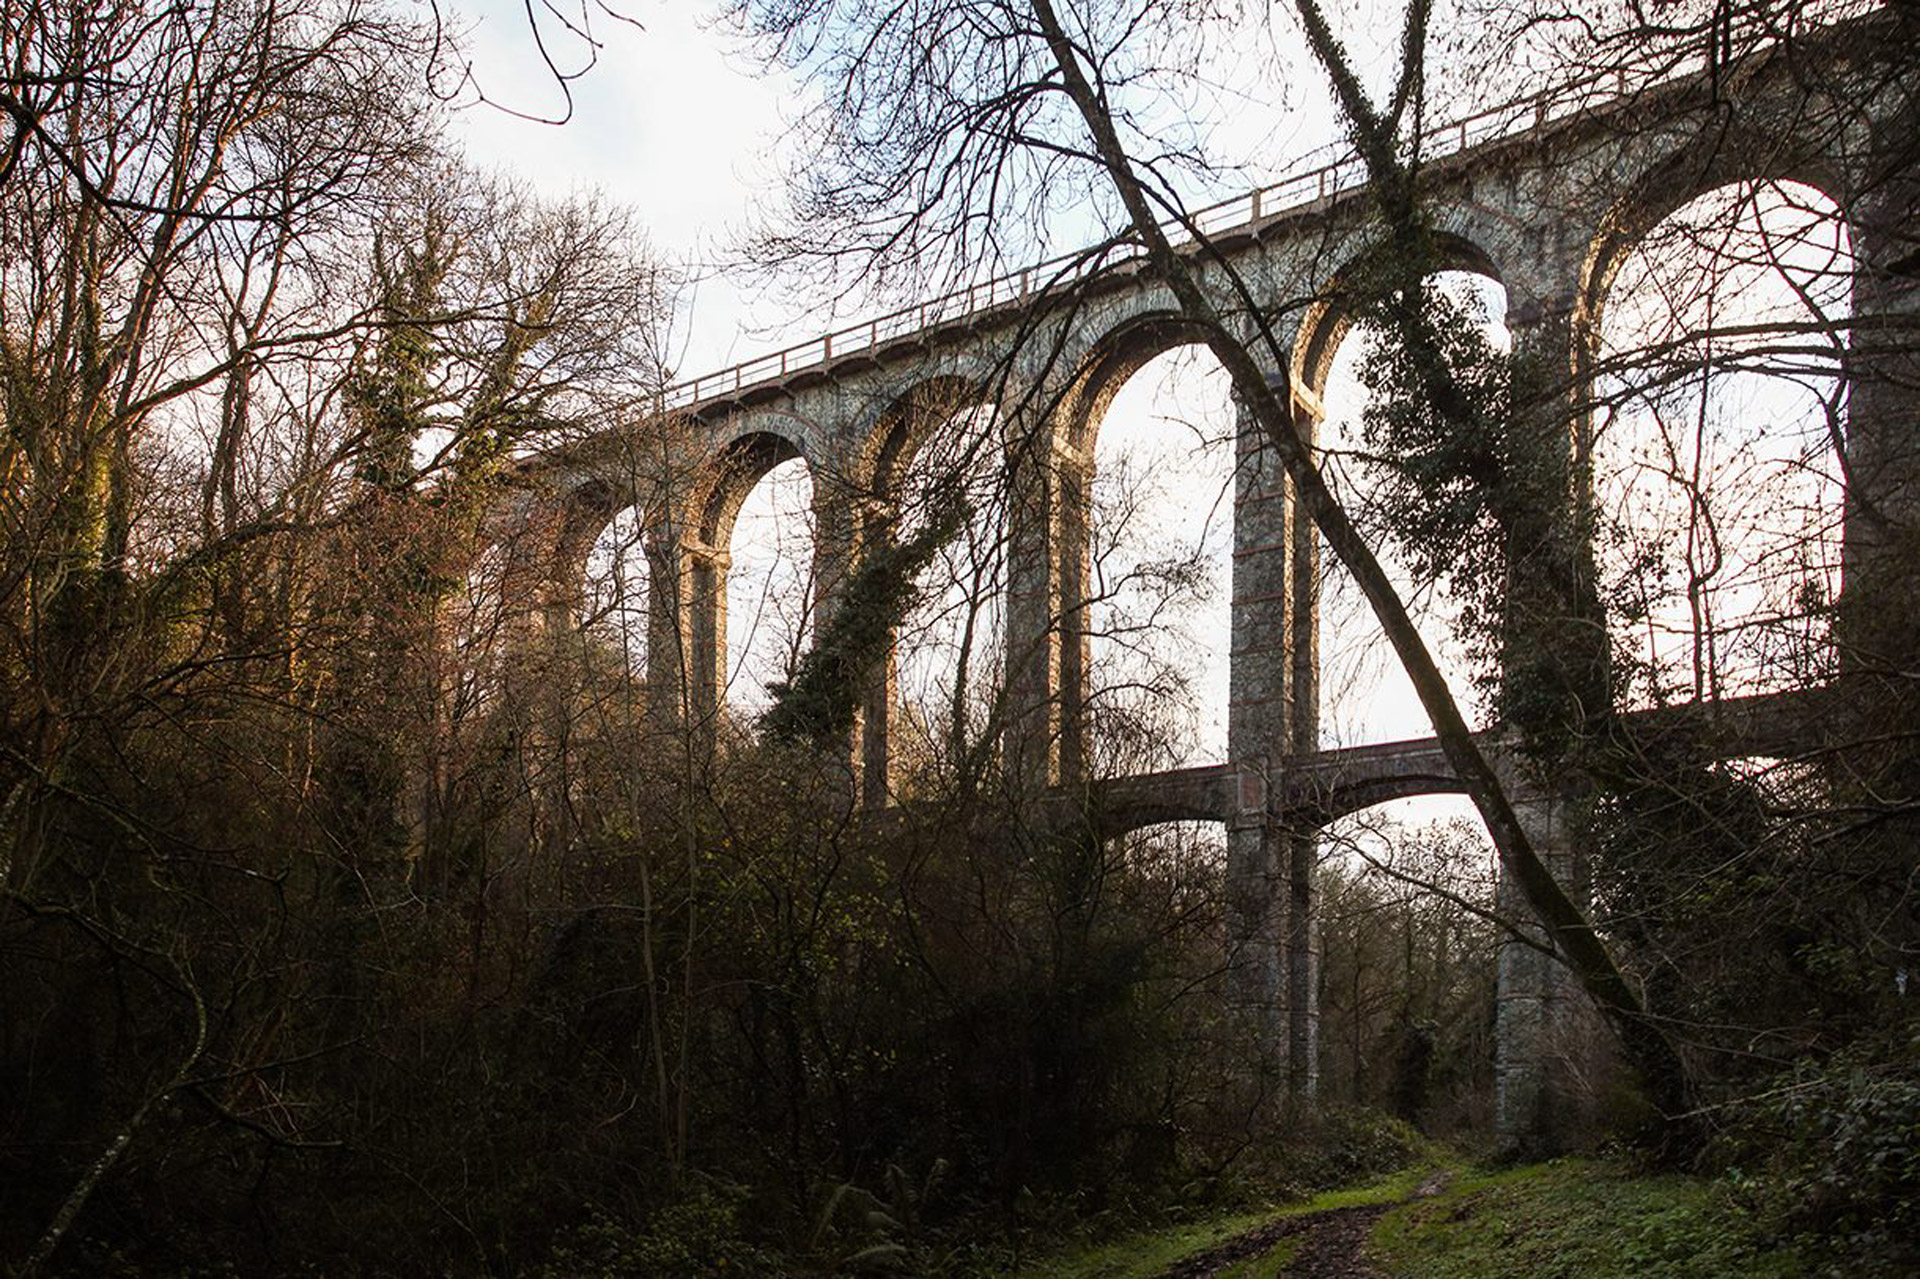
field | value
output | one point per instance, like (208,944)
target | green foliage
(391,383)
(1838,1149)
(1468,467)
(1451,466)
(858,1232)
(1144,1253)
(1445,471)
(1271,1264)
(818,704)
(1581,1220)
(1345,1145)
(1204,1215)
(696,1237)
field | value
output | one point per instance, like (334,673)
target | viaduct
(1544,196)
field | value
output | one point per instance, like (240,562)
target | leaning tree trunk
(1653,1054)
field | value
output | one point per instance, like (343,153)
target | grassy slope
(1581,1218)
(1150,1252)
(1572,1218)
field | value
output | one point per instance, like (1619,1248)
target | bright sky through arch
(668,122)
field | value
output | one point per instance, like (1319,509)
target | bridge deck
(1302,193)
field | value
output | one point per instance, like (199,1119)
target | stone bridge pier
(1273,715)
(1547,1038)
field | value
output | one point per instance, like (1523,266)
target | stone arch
(1364,1042)
(661,480)
(1112,358)
(1131,818)
(871,506)
(1049,460)
(543,536)
(586,511)
(698,543)
(1712,159)
(1347,798)
(1164,681)
(1691,174)
(1349,292)
(730,475)
(1119,815)
(514,619)
(594,511)
(1356,693)
(896,427)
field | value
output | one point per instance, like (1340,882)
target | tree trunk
(1653,1054)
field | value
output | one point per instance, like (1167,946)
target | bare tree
(258,396)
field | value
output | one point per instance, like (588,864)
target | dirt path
(1332,1242)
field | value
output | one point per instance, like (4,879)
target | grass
(1590,1219)
(1149,1252)
(1268,1265)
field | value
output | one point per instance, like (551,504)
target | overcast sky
(665,122)
(676,120)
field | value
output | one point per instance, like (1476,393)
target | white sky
(676,121)
(666,122)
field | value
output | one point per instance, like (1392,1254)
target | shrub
(1847,1166)
(698,1235)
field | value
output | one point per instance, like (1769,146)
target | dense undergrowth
(1602,1220)
(1590,1218)
(1833,1194)
(366,908)
(903,1226)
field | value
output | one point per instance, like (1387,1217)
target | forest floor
(1329,1244)
(1596,1219)
(1317,1243)
(1322,1236)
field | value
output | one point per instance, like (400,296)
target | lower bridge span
(1310,789)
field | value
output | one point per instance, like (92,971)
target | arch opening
(1718,440)
(1158,546)
(1408,976)
(1365,695)
(943,503)
(731,478)
(770,539)
(616,603)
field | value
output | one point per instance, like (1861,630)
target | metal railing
(1289,196)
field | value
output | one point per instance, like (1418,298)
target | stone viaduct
(1544,196)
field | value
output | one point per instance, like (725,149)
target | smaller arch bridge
(1303,792)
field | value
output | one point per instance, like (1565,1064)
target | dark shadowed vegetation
(387,887)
